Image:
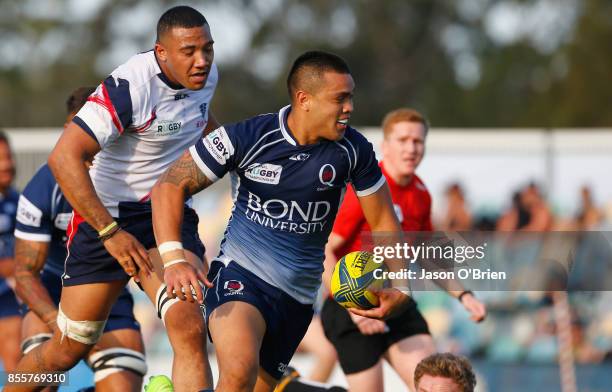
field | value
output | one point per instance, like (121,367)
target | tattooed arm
(30,258)
(180,181)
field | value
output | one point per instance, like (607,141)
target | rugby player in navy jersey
(289,172)
(10,319)
(138,121)
(43,215)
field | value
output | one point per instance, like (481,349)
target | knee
(237,377)
(185,321)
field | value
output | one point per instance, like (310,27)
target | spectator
(457,218)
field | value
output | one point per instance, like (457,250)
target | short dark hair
(179,16)
(447,365)
(77,99)
(310,66)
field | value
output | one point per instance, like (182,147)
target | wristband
(465,292)
(109,234)
(169,246)
(168,264)
(107,229)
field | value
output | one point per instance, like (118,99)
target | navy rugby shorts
(286,319)
(89,262)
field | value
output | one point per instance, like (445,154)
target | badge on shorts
(233,287)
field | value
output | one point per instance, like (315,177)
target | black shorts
(358,352)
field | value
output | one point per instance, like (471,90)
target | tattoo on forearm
(185,173)
(30,258)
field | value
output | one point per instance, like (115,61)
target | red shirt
(412,204)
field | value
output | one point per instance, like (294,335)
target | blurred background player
(404,340)
(444,372)
(117,360)
(10,319)
(457,217)
(137,122)
(290,170)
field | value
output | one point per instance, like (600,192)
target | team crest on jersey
(167,127)
(327,175)
(233,287)
(266,173)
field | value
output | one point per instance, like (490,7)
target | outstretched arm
(181,180)
(379,213)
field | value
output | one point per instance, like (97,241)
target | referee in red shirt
(362,342)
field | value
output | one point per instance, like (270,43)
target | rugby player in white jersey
(43,214)
(139,120)
(289,170)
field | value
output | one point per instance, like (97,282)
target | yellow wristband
(108,228)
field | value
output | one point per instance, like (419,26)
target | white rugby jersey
(142,123)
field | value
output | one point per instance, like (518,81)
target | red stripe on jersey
(148,123)
(145,197)
(111,109)
(108,105)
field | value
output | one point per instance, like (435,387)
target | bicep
(30,256)
(76,142)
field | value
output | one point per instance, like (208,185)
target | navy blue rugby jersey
(286,196)
(43,215)
(8,207)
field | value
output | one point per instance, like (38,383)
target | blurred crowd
(511,334)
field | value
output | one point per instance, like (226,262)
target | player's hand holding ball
(391,301)
(355,286)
